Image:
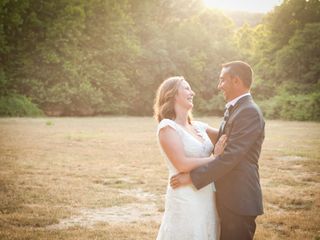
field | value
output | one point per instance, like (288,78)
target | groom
(235,173)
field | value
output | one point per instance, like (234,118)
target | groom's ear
(236,80)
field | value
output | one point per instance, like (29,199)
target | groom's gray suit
(235,172)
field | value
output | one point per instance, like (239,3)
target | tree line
(99,57)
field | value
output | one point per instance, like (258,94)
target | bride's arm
(213,134)
(173,148)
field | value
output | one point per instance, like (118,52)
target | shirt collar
(235,100)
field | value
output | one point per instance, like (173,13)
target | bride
(189,213)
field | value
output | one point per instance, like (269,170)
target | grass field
(104,178)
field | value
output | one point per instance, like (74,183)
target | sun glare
(210,3)
(242,5)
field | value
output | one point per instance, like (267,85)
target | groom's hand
(179,180)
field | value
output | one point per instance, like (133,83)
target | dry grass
(55,169)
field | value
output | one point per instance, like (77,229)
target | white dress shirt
(235,100)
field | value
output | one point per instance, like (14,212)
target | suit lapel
(234,109)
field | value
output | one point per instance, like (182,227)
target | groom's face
(226,84)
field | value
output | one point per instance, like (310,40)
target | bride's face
(184,97)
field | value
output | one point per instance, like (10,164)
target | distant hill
(240,17)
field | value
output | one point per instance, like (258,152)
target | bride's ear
(176,96)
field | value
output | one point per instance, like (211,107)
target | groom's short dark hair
(241,70)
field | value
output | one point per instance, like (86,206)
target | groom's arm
(246,129)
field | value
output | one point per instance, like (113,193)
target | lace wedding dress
(190,214)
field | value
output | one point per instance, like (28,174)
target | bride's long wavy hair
(164,102)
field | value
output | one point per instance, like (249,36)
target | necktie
(226,116)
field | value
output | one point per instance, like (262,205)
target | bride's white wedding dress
(190,214)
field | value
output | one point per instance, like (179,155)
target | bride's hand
(220,145)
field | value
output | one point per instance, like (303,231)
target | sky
(261,6)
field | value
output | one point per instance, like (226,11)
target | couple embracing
(214,187)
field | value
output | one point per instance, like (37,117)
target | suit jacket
(235,172)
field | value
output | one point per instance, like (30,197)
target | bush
(293,107)
(16,105)
(213,106)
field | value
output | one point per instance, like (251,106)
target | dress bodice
(193,147)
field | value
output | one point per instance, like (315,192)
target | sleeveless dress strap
(166,122)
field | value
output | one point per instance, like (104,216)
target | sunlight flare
(210,3)
(242,5)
